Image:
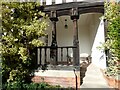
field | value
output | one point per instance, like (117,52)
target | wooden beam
(64,6)
(83,7)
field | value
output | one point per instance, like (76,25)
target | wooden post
(63,1)
(53,2)
(44,2)
(53,51)
(75,17)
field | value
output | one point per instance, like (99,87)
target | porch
(61,68)
(60,61)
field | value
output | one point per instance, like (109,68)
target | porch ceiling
(88,19)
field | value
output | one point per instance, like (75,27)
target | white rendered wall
(97,37)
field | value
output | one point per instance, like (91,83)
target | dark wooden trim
(70,5)
(44,2)
(91,10)
(61,54)
(74,0)
(53,51)
(83,7)
(74,13)
(53,17)
(45,55)
(40,56)
(75,43)
(57,47)
(53,2)
(63,1)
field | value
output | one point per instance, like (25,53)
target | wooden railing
(61,55)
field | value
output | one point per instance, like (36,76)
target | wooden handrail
(57,47)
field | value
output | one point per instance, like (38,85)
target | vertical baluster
(67,56)
(40,55)
(36,56)
(45,55)
(74,0)
(53,2)
(44,2)
(63,1)
(61,54)
(48,55)
(56,55)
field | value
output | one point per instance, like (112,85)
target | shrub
(22,25)
(31,86)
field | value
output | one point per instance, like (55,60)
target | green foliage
(31,86)
(112,15)
(34,86)
(22,25)
(112,69)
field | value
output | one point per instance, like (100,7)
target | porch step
(64,78)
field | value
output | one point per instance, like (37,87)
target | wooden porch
(63,64)
(59,66)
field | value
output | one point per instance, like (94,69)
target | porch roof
(83,7)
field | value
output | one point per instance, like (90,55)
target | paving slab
(94,79)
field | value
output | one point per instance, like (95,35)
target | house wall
(96,38)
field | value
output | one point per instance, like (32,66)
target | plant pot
(112,82)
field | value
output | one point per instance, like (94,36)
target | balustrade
(63,55)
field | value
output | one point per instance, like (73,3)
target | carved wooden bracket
(74,13)
(53,16)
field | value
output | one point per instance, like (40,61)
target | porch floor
(94,78)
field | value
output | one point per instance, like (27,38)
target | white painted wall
(96,38)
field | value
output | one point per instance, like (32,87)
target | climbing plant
(22,24)
(112,16)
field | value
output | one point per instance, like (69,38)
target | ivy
(112,16)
